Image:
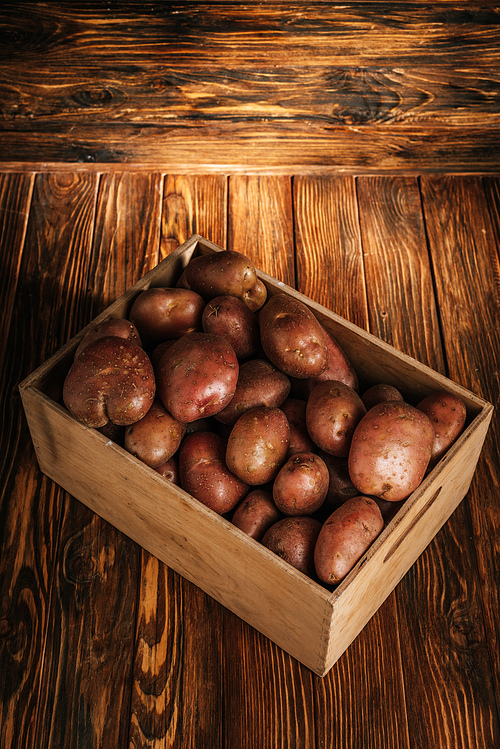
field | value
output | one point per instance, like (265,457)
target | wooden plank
(330,270)
(176,690)
(362,86)
(465,251)
(403,312)
(256,672)
(44,314)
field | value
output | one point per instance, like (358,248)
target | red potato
(230,318)
(260,383)
(380,393)
(256,513)
(295,411)
(301,485)
(294,539)
(156,437)
(390,450)
(162,313)
(345,537)
(340,486)
(447,413)
(332,414)
(338,368)
(119,327)
(111,380)
(258,444)
(170,470)
(292,338)
(197,376)
(204,474)
(225,273)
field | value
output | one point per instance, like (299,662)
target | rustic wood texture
(133,655)
(262,87)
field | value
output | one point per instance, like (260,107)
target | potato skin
(256,513)
(230,318)
(332,414)
(390,450)
(197,376)
(156,437)
(225,273)
(170,470)
(295,411)
(111,380)
(294,539)
(117,327)
(301,484)
(292,338)
(163,313)
(257,445)
(204,474)
(345,537)
(380,393)
(447,413)
(338,368)
(260,383)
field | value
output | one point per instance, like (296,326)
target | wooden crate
(313,623)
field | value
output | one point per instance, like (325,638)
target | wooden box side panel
(405,538)
(188,537)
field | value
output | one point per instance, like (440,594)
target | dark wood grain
(464,245)
(403,312)
(360,86)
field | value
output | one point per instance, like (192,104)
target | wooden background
(351,151)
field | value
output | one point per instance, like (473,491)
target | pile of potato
(249,404)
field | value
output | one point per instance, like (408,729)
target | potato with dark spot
(333,412)
(447,413)
(154,438)
(301,484)
(256,513)
(345,537)
(115,327)
(162,313)
(230,318)
(294,539)
(260,383)
(170,470)
(380,393)
(292,338)
(258,444)
(204,474)
(111,380)
(197,376)
(390,450)
(225,273)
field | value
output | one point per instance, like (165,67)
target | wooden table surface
(393,222)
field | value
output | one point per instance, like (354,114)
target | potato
(340,486)
(258,444)
(332,413)
(230,318)
(293,539)
(380,393)
(292,338)
(119,327)
(225,273)
(204,474)
(256,513)
(170,470)
(162,313)
(345,537)
(338,368)
(154,438)
(390,450)
(111,380)
(301,484)
(197,376)
(447,413)
(295,411)
(259,384)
